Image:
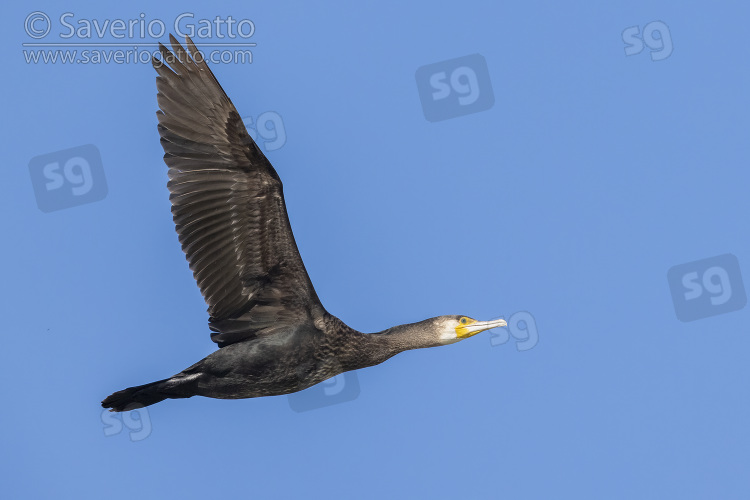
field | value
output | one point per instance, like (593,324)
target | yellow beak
(472,327)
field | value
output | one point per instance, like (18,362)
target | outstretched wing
(228,206)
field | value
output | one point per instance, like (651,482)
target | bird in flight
(274,335)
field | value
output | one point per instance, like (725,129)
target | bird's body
(275,337)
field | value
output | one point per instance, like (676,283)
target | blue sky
(578,169)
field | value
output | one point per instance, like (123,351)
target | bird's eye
(463,321)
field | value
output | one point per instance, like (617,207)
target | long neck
(368,349)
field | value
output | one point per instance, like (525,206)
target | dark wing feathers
(228,206)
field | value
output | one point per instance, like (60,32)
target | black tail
(135,397)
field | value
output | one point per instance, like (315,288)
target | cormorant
(273,333)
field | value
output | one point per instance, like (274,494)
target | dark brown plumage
(228,206)
(274,335)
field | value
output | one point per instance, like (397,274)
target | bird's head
(433,332)
(455,328)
